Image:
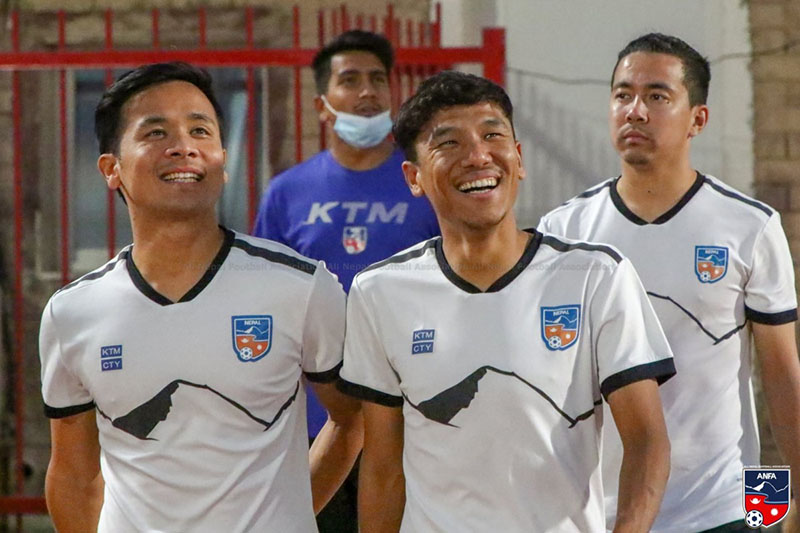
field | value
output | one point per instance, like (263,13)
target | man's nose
(184,145)
(478,154)
(637,110)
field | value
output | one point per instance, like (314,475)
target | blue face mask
(358,131)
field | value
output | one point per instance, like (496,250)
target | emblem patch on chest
(560,326)
(710,263)
(252,336)
(354,239)
(766,495)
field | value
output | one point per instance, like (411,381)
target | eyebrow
(440,131)
(158,119)
(655,85)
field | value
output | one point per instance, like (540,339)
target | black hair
(349,41)
(696,70)
(108,113)
(446,89)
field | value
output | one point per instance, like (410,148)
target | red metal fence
(418,54)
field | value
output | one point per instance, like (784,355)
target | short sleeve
(367,372)
(62,391)
(323,331)
(769,292)
(271,216)
(626,334)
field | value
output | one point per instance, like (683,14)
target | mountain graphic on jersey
(354,239)
(560,326)
(142,420)
(444,406)
(710,263)
(766,495)
(252,336)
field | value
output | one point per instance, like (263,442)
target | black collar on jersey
(505,279)
(157,297)
(633,217)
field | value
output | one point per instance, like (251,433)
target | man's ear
(225,176)
(699,120)
(411,173)
(108,164)
(323,112)
(522,173)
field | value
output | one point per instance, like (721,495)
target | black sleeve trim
(660,370)
(371,395)
(773,319)
(324,377)
(63,412)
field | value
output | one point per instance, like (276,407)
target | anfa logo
(766,495)
(252,336)
(710,263)
(560,326)
(354,239)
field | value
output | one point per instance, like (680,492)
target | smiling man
(172,375)
(483,356)
(717,267)
(347,205)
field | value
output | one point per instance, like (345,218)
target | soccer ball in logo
(754,519)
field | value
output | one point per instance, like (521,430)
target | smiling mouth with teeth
(182,177)
(482,185)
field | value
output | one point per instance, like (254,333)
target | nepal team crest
(252,336)
(354,239)
(766,496)
(560,326)
(710,263)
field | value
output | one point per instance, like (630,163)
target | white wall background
(559,57)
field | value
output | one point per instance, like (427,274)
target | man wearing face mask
(348,205)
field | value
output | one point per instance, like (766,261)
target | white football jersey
(711,263)
(200,407)
(501,390)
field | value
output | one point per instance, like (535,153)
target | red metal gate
(418,52)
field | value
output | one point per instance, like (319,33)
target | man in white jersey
(713,262)
(484,355)
(172,374)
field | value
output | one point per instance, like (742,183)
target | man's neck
(483,257)
(173,256)
(359,158)
(651,192)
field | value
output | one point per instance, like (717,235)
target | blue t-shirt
(347,218)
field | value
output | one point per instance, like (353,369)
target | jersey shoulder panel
(737,198)
(586,198)
(95,276)
(410,254)
(599,252)
(274,252)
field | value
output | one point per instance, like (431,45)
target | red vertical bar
(494,55)
(298,109)
(19,301)
(373,23)
(345,19)
(111,234)
(156,33)
(360,21)
(321,43)
(436,27)
(62,112)
(335,22)
(390,30)
(201,27)
(251,125)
